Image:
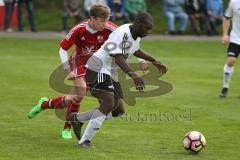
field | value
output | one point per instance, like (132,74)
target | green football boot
(66,134)
(37,109)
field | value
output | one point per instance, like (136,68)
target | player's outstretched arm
(138,81)
(143,55)
(161,67)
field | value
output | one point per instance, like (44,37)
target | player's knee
(74,108)
(117,113)
(78,98)
(107,105)
(231,61)
(119,110)
(75,98)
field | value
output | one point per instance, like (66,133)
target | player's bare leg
(71,102)
(119,109)
(96,117)
(106,106)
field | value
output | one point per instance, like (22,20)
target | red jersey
(86,40)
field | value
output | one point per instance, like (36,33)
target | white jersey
(120,41)
(233,11)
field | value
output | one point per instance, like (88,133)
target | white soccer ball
(194,141)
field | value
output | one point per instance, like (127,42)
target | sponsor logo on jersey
(89,49)
(100,38)
(83,38)
(125,45)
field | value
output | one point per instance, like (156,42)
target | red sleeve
(69,40)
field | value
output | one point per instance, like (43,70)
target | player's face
(98,23)
(145,29)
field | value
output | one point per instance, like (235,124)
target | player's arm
(141,54)
(64,59)
(226,26)
(121,62)
(226,22)
(65,44)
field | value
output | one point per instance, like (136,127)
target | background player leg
(228,70)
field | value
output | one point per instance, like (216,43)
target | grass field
(195,70)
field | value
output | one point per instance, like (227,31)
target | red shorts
(77,63)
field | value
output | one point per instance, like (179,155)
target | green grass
(195,70)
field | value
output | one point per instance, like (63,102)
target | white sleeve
(229,11)
(64,58)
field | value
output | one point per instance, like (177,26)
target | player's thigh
(79,87)
(233,53)
(101,87)
(78,91)
(106,100)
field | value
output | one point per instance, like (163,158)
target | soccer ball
(194,141)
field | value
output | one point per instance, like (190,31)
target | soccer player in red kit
(87,36)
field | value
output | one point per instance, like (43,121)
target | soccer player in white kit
(232,14)
(102,77)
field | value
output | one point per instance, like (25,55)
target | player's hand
(225,39)
(71,76)
(139,82)
(161,67)
(143,66)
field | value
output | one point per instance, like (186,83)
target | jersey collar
(89,29)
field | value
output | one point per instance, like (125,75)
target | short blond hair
(101,11)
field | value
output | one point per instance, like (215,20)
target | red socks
(55,103)
(74,107)
(59,103)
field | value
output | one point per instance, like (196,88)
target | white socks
(85,116)
(109,116)
(93,126)
(227,73)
